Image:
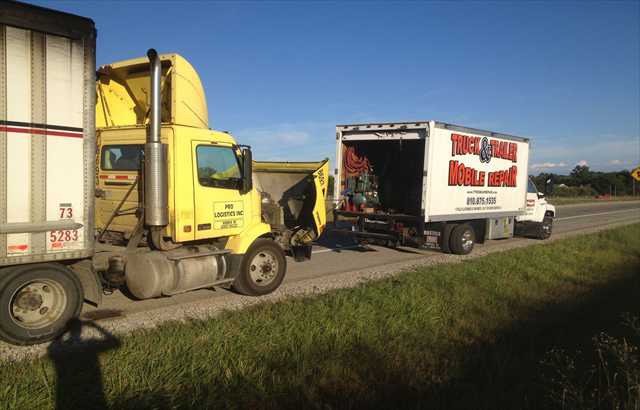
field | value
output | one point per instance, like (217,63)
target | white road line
(600,213)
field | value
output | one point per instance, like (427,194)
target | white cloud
(582,163)
(600,153)
(548,165)
(307,141)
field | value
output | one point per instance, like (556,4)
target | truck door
(220,209)
(535,205)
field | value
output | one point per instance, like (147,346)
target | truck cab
(206,199)
(241,214)
(539,214)
(206,195)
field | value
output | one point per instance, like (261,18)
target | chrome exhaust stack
(156,213)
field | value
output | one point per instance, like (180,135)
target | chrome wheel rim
(38,303)
(263,268)
(467,240)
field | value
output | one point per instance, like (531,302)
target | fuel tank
(151,274)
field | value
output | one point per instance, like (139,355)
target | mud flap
(90,282)
(301,253)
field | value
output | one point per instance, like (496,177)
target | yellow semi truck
(126,184)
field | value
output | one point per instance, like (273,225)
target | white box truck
(435,185)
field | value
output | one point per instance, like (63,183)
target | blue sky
(281,75)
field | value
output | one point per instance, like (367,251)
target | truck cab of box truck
(538,218)
(229,219)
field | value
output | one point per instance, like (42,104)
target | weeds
(606,377)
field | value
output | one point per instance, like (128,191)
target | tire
(446,237)
(545,228)
(37,302)
(262,269)
(462,239)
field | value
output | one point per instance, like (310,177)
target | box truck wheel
(462,239)
(262,269)
(37,301)
(446,237)
(545,228)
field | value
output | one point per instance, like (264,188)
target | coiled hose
(354,164)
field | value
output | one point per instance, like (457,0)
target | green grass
(589,199)
(467,335)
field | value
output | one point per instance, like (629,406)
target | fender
(239,244)
(90,282)
(551,211)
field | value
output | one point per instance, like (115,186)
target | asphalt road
(336,259)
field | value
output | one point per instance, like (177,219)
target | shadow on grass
(503,374)
(78,375)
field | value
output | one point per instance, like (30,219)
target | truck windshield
(532,188)
(218,167)
(125,157)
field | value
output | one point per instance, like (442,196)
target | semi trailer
(435,185)
(113,178)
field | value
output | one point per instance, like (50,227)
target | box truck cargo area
(435,185)
(373,181)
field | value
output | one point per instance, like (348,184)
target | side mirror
(247,170)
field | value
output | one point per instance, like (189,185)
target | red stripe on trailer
(122,177)
(41,132)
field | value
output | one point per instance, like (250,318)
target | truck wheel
(262,269)
(37,301)
(545,228)
(446,237)
(462,239)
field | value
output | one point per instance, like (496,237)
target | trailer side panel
(473,174)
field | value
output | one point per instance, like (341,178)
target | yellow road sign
(636,173)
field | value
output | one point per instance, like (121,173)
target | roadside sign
(636,173)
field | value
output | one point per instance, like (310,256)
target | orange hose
(354,164)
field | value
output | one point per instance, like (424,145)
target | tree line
(584,182)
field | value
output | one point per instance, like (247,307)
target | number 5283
(65,235)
